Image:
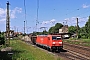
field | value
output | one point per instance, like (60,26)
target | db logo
(41,40)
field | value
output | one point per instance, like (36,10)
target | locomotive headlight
(53,43)
(60,42)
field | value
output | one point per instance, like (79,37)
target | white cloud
(47,24)
(73,21)
(2,13)
(12,13)
(2,20)
(49,21)
(85,6)
(53,21)
(68,21)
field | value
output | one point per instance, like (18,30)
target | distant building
(64,29)
(17,33)
(11,33)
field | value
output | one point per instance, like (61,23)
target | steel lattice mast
(7,25)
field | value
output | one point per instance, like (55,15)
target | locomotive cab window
(56,37)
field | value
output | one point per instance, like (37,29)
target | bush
(2,39)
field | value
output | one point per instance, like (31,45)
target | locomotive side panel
(42,40)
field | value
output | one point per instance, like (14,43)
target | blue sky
(49,13)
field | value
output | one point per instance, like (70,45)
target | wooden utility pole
(77,28)
(7,25)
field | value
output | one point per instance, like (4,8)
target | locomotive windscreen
(56,37)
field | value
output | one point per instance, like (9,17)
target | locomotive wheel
(48,49)
(52,50)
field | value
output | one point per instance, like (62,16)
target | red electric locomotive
(51,42)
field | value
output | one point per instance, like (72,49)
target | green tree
(87,28)
(51,30)
(82,32)
(55,29)
(72,29)
(2,38)
(45,32)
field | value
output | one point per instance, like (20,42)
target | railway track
(75,52)
(77,46)
(79,49)
(71,55)
(68,54)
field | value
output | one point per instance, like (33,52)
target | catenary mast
(7,25)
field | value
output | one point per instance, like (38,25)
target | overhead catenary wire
(83,17)
(73,11)
(79,13)
(84,13)
(78,10)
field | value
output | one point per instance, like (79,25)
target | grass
(83,42)
(86,40)
(22,51)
